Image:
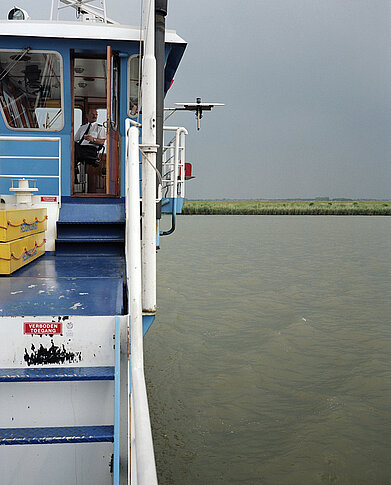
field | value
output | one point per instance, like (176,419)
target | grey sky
(307,88)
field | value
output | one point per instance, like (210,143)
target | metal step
(46,436)
(85,239)
(91,231)
(96,247)
(92,210)
(39,374)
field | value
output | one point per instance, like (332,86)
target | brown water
(270,359)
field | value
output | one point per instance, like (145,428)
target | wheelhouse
(51,75)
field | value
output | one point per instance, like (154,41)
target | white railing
(32,139)
(173,176)
(143,468)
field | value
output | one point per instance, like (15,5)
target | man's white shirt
(96,131)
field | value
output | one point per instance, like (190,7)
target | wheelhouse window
(31,89)
(134,84)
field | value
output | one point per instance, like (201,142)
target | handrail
(24,157)
(176,186)
(143,468)
(178,163)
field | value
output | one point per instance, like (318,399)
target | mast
(149,148)
(88,10)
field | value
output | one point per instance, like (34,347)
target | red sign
(42,328)
(48,198)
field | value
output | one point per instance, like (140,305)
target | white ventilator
(23,192)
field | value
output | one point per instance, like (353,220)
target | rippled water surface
(270,361)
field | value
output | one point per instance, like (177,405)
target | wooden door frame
(109,98)
(108,104)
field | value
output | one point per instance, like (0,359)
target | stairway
(43,388)
(92,226)
(50,435)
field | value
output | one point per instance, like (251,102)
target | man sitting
(89,140)
(91,132)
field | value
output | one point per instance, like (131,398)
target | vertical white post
(133,249)
(52,10)
(176,162)
(143,466)
(183,158)
(149,152)
(103,4)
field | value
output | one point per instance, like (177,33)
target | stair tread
(89,238)
(39,374)
(92,223)
(92,212)
(51,435)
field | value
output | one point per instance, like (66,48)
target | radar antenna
(87,10)
(198,107)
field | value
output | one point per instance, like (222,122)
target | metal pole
(149,160)
(160,52)
(143,468)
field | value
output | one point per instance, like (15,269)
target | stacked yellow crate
(22,232)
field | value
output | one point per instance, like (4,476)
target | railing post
(133,246)
(183,160)
(143,470)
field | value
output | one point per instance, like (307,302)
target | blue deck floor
(64,285)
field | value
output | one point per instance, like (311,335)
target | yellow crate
(17,253)
(16,223)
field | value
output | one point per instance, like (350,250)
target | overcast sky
(307,92)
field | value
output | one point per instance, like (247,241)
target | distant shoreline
(288,207)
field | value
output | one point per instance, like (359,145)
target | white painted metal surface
(45,404)
(78,30)
(90,338)
(60,464)
(148,88)
(143,469)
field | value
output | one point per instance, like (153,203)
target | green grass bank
(284,207)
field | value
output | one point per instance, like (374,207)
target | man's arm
(78,134)
(92,139)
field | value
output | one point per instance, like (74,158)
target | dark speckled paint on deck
(51,355)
